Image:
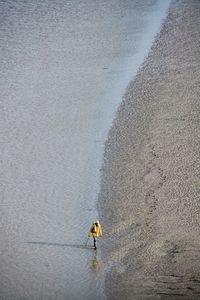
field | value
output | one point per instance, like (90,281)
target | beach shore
(149,198)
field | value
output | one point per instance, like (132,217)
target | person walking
(95,232)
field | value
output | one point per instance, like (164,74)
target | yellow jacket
(95,230)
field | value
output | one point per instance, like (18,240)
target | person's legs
(94,242)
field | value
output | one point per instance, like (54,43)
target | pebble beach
(149,198)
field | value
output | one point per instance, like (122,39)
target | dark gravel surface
(149,196)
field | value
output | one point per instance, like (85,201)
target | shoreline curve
(149,197)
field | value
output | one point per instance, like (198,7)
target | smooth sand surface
(149,197)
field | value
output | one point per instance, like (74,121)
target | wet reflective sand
(65,66)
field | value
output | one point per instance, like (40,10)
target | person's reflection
(96,263)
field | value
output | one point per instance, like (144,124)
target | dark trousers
(94,238)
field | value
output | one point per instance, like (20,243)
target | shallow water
(65,66)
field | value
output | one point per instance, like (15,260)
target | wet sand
(149,199)
(64,68)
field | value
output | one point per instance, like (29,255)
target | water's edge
(149,196)
(65,68)
(103,213)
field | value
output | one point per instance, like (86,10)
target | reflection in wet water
(96,262)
